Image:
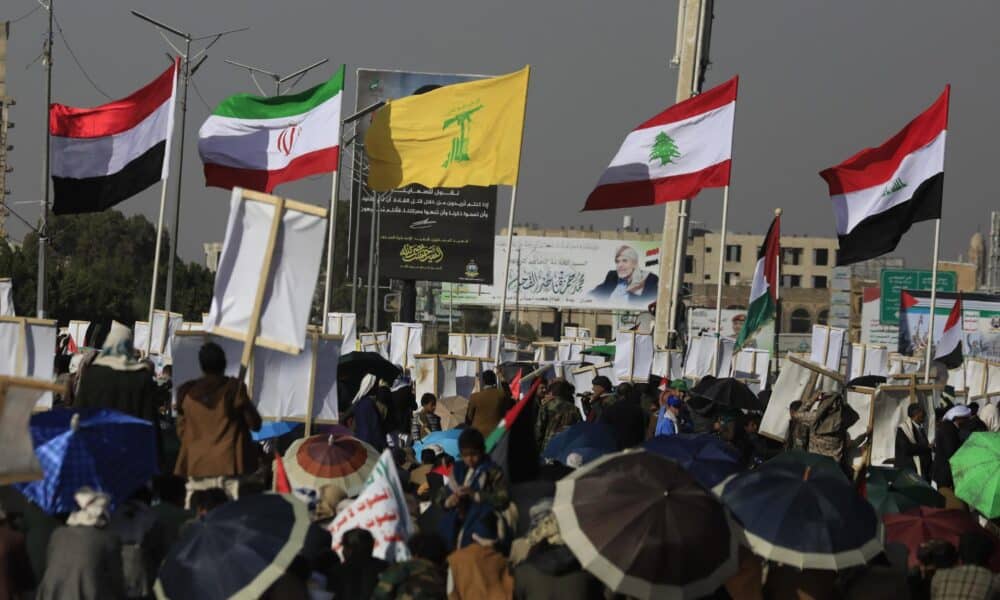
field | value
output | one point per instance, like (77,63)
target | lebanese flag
(674,155)
(949,347)
(259,142)
(103,155)
(880,192)
(764,291)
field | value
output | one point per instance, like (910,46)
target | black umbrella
(237,550)
(872,381)
(643,526)
(731,393)
(353,367)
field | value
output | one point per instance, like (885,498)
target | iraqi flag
(103,155)
(257,142)
(880,192)
(949,347)
(674,155)
(764,291)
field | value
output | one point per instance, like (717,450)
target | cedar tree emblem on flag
(664,149)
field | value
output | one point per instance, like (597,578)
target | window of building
(791,256)
(734,253)
(823,317)
(732,278)
(791,281)
(821,257)
(708,249)
(801,322)
(707,276)
(548,330)
(603,332)
(689,264)
(819,281)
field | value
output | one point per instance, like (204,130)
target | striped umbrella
(643,526)
(320,460)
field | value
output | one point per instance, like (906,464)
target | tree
(664,149)
(100,267)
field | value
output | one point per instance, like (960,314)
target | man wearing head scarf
(116,380)
(947,440)
(84,559)
(364,414)
(913,452)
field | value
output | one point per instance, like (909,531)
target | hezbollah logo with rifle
(664,149)
(460,145)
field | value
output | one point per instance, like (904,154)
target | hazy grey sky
(819,80)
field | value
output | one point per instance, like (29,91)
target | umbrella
(801,458)
(703,384)
(706,457)
(645,527)
(353,366)
(452,411)
(236,551)
(333,429)
(804,517)
(896,490)
(101,448)
(977,478)
(272,429)
(320,460)
(729,392)
(872,381)
(448,440)
(607,350)
(922,523)
(589,440)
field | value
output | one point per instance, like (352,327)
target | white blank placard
(78,331)
(633,356)
(6,298)
(377,342)
(405,341)
(281,381)
(32,357)
(185,349)
(791,384)
(290,282)
(346,326)
(827,346)
(869,359)
(18,461)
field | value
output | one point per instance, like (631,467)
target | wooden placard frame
(477,359)
(22,337)
(166,331)
(7,382)
(251,338)
(406,347)
(631,367)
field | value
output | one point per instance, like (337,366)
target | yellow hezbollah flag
(457,135)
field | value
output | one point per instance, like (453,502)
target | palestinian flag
(508,419)
(258,142)
(764,291)
(673,155)
(880,192)
(103,155)
(949,347)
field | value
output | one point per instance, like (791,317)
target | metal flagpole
(510,237)
(331,242)
(718,287)
(777,309)
(371,264)
(188,72)
(159,220)
(673,336)
(934,272)
(43,231)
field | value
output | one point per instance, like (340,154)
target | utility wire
(197,92)
(27,14)
(77,61)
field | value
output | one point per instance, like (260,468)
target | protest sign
(668,364)
(28,349)
(18,398)
(405,341)
(380,510)
(827,346)
(794,383)
(868,359)
(376,341)
(78,333)
(633,356)
(346,326)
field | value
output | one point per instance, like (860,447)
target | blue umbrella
(448,440)
(804,517)
(706,457)
(105,449)
(589,440)
(273,429)
(237,550)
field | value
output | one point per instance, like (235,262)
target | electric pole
(43,230)
(694,25)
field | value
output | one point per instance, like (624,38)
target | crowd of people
(475,537)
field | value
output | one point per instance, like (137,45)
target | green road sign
(894,281)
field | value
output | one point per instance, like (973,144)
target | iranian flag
(673,155)
(764,291)
(258,142)
(880,192)
(949,347)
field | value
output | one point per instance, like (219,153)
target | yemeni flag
(674,155)
(259,142)
(764,291)
(880,192)
(949,347)
(103,155)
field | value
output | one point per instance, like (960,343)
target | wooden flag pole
(934,273)
(314,339)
